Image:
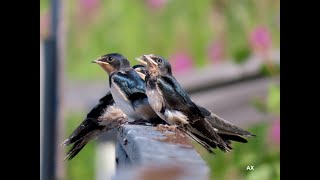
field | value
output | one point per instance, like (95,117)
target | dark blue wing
(176,98)
(98,110)
(131,84)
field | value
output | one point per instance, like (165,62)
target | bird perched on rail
(104,117)
(174,105)
(127,88)
(226,130)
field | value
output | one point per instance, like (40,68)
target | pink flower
(260,39)
(44,24)
(156,4)
(181,62)
(274,131)
(216,51)
(89,5)
(88,11)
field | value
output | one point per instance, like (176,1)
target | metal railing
(143,152)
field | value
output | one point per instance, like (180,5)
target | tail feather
(85,128)
(76,148)
(233,138)
(222,125)
(204,131)
(204,144)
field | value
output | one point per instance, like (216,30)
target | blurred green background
(193,35)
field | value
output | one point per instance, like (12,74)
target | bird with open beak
(104,117)
(169,100)
(226,130)
(128,88)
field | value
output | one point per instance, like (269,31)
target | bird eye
(109,59)
(159,60)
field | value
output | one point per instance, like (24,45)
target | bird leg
(167,127)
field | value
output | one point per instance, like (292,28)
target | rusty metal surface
(142,147)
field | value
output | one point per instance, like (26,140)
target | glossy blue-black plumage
(130,84)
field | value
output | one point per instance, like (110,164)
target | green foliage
(269,69)
(273,101)
(271,104)
(132,28)
(265,159)
(242,54)
(44,5)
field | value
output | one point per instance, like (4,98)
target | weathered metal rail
(148,152)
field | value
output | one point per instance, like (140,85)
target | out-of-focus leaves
(259,104)
(44,5)
(240,55)
(133,28)
(261,172)
(270,69)
(273,100)
(255,153)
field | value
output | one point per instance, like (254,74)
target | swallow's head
(155,64)
(112,62)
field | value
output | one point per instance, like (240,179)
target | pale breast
(122,102)
(155,99)
(175,117)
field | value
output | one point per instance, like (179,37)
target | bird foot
(165,127)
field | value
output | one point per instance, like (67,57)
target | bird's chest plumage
(155,99)
(136,106)
(122,101)
(158,103)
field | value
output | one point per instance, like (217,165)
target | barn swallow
(226,130)
(104,117)
(169,100)
(128,88)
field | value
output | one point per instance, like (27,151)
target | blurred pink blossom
(181,62)
(88,11)
(260,39)
(216,51)
(44,24)
(274,131)
(89,5)
(156,4)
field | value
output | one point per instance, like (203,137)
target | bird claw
(167,127)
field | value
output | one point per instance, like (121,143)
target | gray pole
(50,96)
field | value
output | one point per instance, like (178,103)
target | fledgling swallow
(173,104)
(103,117)
(127,88)
(226,130)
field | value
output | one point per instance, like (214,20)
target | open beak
(142,60)
(147,60)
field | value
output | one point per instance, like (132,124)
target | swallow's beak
(142,60)
(106,66)
(100,61)
(147,60)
